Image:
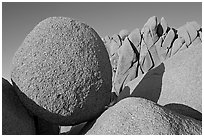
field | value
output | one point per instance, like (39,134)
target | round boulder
(62,71)
(16,120)
(139,116)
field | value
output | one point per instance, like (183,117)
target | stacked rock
(135,53)
(62,72)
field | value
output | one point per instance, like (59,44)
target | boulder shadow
(80,129)
(184,110)
(149,87)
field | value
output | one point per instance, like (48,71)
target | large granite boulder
(143,117)
(62,72)
(16,120)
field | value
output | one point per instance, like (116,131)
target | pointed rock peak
(124,33)
(151,22)
(164,24)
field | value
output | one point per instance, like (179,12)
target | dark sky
(18,19)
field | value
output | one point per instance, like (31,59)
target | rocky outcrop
(62,72)
(145,49)
(137,116)
(16,120)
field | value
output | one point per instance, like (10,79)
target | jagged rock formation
(62,72)
(143,117)
(177,80)
(16,120)
(145,49)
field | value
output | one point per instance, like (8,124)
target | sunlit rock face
(62,72)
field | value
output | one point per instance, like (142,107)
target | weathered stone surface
(147,63)
(114,46)
(195,25)
(117,39)
(182,32)
(164,24)
(132,73)
(155,56)
(143,53)
(114,61)
(182,80)
(161,51)
(176,46)
(16,120)
(168,55)
(123,34)
(143,117)
(135,38)
(62,72)
(149,31)
(191,31)
(107,39)
(183,47)
(126,57)
(168,39)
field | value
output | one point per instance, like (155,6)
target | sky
(18,19)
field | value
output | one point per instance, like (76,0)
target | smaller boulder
(138,116)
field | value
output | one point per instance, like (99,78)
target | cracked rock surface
(142,50)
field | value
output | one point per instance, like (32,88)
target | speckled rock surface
(182,79)
(142,117)
(62,72)
(15,118)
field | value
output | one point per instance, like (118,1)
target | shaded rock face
(62,72)
(182,79)
(143,117)
(15,118)
(44,127)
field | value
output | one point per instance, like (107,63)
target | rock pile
(134,54)
(63,74)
